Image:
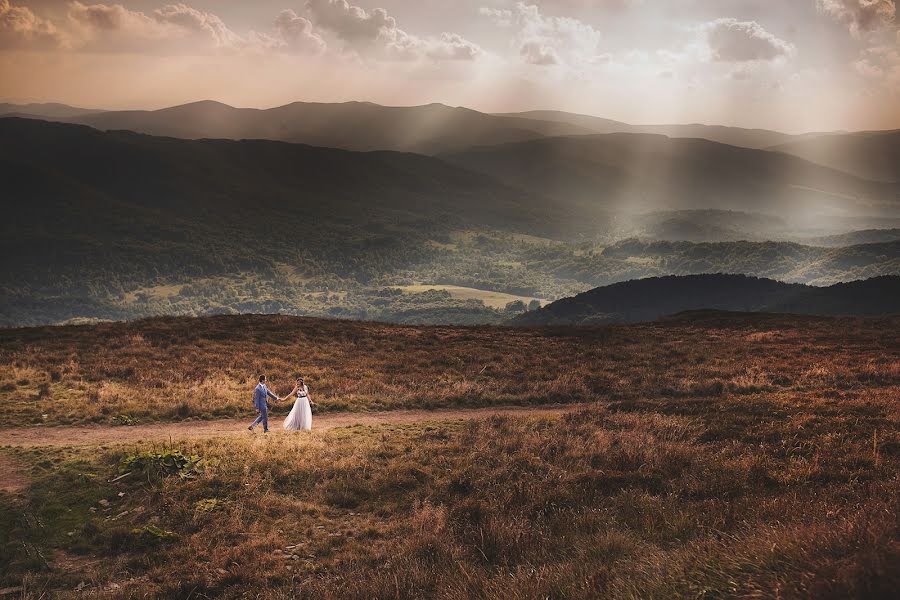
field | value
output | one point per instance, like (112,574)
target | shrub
(157,465)
(123,420)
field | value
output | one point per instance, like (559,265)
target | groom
(260,395)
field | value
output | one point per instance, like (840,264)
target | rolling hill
(437,128)
(120,225)
(865,236)
(92,210)
(648,299)
(360,126)
(870,154)
(50,110)
(632,172)
(734,136)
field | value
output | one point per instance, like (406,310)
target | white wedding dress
(300,417)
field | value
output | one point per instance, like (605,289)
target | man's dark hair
(262,378)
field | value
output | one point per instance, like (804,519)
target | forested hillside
(655,297)
(120,225)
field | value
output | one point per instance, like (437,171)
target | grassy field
(488,297)
(720,457)
(177,368)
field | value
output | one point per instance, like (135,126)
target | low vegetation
(750,496)
(217,227)
(178,368)
(717,456)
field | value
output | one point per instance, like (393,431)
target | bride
(300,417)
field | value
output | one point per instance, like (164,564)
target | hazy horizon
(823,65)
(26,101)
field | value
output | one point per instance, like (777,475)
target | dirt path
(93,435)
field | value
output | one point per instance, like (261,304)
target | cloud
(547,40)
(731,40)
(170,29)
(880,65)
(297,33)
(201,23)
(374,33)
(860,15)
(20,27)
(452,46)
(536,53)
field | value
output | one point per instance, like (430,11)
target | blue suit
(259,402)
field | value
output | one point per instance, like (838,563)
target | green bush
(157,465)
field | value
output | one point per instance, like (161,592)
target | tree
(535,304)
(516,306)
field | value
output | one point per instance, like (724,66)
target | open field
(711,499)
(488,297)
(173,369)
(719,456)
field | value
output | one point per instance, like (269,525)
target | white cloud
(731,40)
(536,53)
(881,66)
(20,27)
(860,15)
(298,33)
(169,30)
(196,22)
(173,28)
(547,40)
(374,33)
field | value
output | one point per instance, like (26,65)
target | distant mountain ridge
(44,109)
(120,224)
(636,171)
(648,299)
(735,136)
(358,126)
(437,129)
(869,154)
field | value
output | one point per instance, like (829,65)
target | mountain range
(360,126)
(627,171)
(118,224)
(437,128)
(651,298)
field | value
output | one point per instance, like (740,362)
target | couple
(300,417)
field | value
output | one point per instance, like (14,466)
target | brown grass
(729,457)
(685,501)
(178,368)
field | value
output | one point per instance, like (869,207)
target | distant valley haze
(437,156)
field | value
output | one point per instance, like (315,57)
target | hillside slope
(648,299)
(361,126)
(51,110)
(118,225)
(178,206)
(623,171)
(872,154)
(734,136)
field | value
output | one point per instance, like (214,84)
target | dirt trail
(92,435)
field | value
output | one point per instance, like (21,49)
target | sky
(791,65)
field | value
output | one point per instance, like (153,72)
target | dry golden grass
(786,499)
(177,368)
(728,457)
